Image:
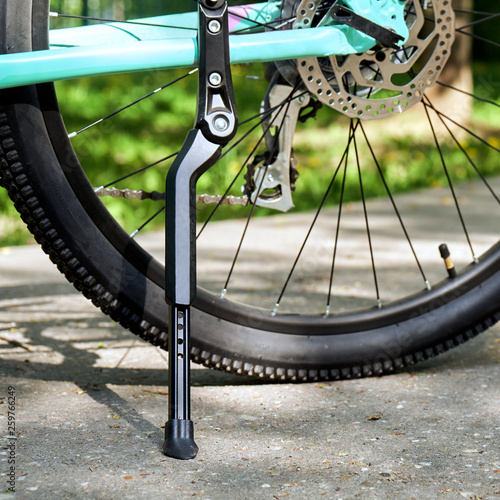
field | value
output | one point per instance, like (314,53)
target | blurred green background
(155,129)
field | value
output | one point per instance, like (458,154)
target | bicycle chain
(206,199)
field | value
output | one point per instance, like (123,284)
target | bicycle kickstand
(215,126)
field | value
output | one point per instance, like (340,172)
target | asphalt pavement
(88,400)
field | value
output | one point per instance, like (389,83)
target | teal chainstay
(119,47)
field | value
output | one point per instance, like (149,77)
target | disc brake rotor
(382,81)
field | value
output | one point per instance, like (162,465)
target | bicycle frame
(171,42)
(184,40)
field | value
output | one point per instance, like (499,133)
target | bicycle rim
(337,306)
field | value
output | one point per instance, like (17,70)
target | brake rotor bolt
(221,123)
(214,26)
(215,79)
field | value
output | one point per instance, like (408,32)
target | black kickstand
(215,126)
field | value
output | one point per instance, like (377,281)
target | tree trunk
(119,9)
(457,73)
(85,11)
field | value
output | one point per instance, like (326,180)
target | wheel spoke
(267,112)
(106,20)
(133,103)
(450,183)
(465,129)
(235,178)
(479,38)
(337,231)
(250,215)
(469,94)
(362,84)
(135,172)
(475,12)
(347,242)
(469,159)
(395,207)
(240,244)
(257,23)
(133,234)
(368,232)
(479,21)
(262,116)
(352,131)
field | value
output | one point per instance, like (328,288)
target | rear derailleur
(270,178)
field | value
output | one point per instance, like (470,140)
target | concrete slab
(90,400)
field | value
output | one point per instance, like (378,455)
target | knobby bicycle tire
(43,177)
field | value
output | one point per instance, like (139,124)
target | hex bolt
(215,79)
(221,123)
(214,26)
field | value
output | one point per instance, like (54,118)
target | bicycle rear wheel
(305,319)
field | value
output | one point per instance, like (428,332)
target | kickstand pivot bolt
(214,26)
(220,123)
(215,79)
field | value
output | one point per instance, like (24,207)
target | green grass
(156,127)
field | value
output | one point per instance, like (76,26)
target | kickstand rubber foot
(179,440)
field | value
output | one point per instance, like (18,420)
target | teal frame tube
(51,65)
(142,48)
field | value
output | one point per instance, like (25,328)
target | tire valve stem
(448,262)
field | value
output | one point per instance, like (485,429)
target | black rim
(414,305)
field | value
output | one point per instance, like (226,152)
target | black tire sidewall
(124,271)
